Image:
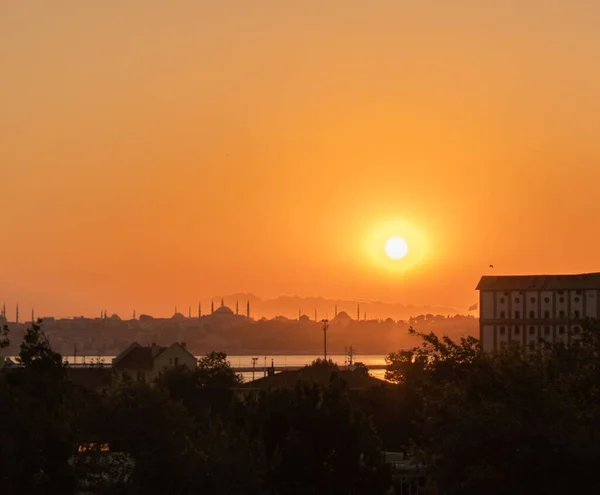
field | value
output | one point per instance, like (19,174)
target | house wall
(174,356)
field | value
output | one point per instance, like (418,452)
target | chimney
(155,350)
(183,345)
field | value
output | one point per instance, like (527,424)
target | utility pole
(265,373)
(254,359)
(325,327)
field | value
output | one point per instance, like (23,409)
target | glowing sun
(396,248)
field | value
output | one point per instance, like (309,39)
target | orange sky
(152,153)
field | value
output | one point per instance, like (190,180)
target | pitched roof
(288,379)
(540,282)
(138,358)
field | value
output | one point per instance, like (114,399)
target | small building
(525,309)
(145,363)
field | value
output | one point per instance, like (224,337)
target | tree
(37,428)
(511,422)
(204,391)
(4,340)
(313,439)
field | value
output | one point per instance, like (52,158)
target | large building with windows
(525,309)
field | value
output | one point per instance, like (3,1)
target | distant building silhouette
(525,309)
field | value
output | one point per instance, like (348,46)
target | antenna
(358,312)
(17,316)
(336,313)
(248,309)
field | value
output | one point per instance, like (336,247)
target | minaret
(134,314)
(222,302)
(32,316)
(212,307)
(299,314)
(248,309)
(358,312)
(237,307)
(315,314)
(190,312)
(336,310)
(199,311)
(17,317)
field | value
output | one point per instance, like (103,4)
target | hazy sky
(156,152)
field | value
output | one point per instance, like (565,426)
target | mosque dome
(223,310)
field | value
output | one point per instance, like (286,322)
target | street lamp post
(325,327)
(254,359)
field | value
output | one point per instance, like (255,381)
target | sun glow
(396,248)
(396,245)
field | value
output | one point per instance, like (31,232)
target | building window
(502,314)
(502,300)
(170,360)
(578,292)
(546,300)
(577,314)
(547,314)
(517,300)
(532,346)
(561,300)
(561,314)
(506,293)
(517,315)
(532,314)
(176,362)
(517,331)
(532,300)
(561,330)
(577,299)
(502,330)
(531,330)
(560,292)
(547,331)
(576,330)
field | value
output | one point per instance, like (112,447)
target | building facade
(525,309)
(146,363)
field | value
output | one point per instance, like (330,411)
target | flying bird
(491,266)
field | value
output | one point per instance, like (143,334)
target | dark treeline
(514,422)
